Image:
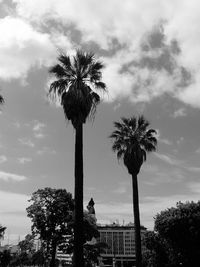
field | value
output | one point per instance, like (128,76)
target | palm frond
(58,87)
(58,71)
(142,123)
(100,85)
(75,78)
(132,140)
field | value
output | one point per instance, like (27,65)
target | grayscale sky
(151,52)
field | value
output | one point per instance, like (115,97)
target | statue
(90,207)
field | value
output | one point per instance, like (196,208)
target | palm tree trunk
(78,224)
(136,213)
(53,255)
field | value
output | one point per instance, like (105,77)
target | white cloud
(194,187)
(22,47)
(180,113)
(17,124)
(26,142)
(180,140)
(122,188)
(172,176)
(38,126)
(168,159)
(38,129)
(24,160)
(165,141)
(193,169)
(3,159)
(157,43)
(161,139)
(45,150)
(6,176)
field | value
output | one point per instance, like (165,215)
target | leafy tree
(93,251)
(75,78)
(180,227)
(27,245)
(38,258)
(5,258)
(50,212)
(157,251)
(132,141)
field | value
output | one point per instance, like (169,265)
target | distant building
(121,244)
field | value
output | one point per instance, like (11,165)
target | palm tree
(76,77)
(131,141)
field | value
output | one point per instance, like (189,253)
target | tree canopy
(76,77)
(180,227)
(132,140)
(50,213)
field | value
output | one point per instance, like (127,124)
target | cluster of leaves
(50,213)
(25,256)
(176,241)
(21,259)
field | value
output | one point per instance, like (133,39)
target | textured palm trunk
(78,260)
(53,255)
(136,213)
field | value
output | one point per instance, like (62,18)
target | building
(121,244)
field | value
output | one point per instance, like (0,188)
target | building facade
(121,244)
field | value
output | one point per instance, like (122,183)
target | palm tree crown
(132,141)
(75,78)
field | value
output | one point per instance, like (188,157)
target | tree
(38,258)
(27,245)
(50,212)
(180,228)
(5,258)
(157,251)
(132,141)
(75,79)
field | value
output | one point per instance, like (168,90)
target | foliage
(5,258)
(180,227)
(27,245)
(132,141)
(157,250)
(38,258)
(75,77)
(92,252)
(50,213)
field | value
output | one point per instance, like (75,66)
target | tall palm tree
(131,141)
(76,77)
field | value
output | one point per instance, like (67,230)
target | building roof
(128,226)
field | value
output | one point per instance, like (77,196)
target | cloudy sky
(151,52)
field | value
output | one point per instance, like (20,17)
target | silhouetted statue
(90,207)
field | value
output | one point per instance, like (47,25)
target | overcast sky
(151,52)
